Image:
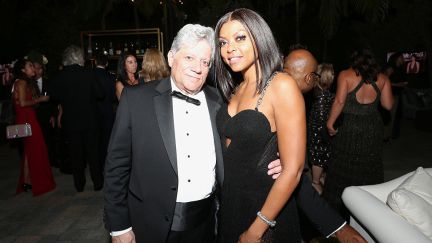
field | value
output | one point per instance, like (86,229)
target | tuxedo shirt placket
(196,157)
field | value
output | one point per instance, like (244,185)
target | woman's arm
(21,86)
(339,102)
(118,89)
(387,99)
(288,110)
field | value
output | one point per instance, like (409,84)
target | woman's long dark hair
(267,50)
(19,74)
(365,65)
(121,70)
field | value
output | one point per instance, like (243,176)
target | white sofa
(374,219)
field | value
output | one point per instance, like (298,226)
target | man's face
(38,70)
(190,66)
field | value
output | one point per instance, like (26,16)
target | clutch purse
(18,131)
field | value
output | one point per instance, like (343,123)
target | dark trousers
(48,134)
(83,149)
(203,233)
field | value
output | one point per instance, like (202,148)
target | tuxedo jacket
(77,90)
(141,167)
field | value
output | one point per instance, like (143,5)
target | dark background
(331,29)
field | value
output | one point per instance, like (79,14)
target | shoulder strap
(375,86)
(264,90)
(359,85)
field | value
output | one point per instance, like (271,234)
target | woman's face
(236,46)
(29,70)
(131,64)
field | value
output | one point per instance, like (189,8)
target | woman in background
(319,140)
(358,143)
(154,65)
(265,110)
(126,72)
(36,174)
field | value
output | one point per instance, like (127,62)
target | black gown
(356,149)
(246,183)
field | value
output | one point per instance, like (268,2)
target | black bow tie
(185,97)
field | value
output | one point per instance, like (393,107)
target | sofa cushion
(413,201)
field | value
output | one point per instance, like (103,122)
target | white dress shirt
(39,84)
(196,155)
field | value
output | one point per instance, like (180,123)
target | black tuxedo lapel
(213,106)
(165,117)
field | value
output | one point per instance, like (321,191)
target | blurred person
(77,90)
(46,111)
(127,74)
(398,79)
(357,145)
(36,174)
(106,105)
(154,66)
(302,66)
(413,66)
(265,109)
(319,145)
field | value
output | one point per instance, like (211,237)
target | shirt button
(189,180)
(187,112)
(187,134)
(188,156)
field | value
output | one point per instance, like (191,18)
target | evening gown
(246,183)
(318,138)
(356,149)
(35,151)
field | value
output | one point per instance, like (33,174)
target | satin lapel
(213,107)
(164,113)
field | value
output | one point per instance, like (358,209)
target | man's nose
(196,66)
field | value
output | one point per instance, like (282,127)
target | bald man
(301,65)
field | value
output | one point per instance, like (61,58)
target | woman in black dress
(266,104)
(358,143)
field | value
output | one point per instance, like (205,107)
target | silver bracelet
(271,223)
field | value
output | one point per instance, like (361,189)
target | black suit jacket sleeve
(117,170)
(318,211)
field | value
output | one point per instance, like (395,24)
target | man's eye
(189,58)
(206,63)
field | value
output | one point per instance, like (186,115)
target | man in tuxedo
(77,91)
(106,105)
(164,159)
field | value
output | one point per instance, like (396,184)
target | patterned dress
(319,146)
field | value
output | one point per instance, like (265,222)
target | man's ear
(170,57)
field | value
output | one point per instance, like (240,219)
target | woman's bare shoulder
(283,80)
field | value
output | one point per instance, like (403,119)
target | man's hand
(275,168)
(128,237)
(348,234)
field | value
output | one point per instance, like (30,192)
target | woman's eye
(241,38)
(222,43)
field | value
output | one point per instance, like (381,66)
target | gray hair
(73,55)
(191,34)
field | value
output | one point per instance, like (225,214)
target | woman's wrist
(258,227)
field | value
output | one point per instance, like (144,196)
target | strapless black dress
(246,183)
